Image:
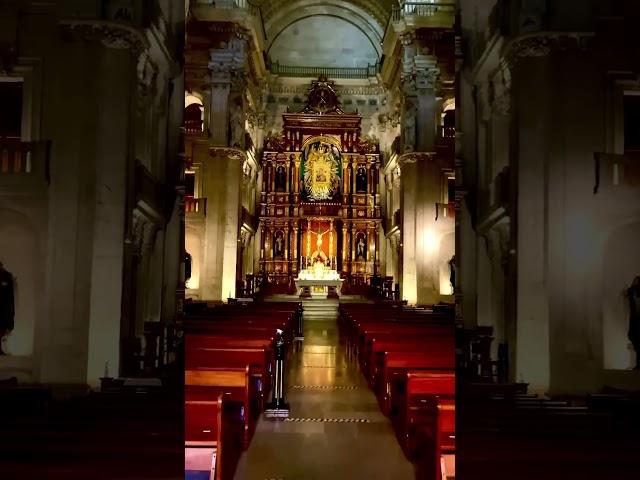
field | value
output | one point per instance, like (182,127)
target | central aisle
(335,430)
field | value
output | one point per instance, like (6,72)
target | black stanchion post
(300,329)
(278,408)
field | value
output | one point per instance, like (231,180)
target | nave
(368,393)
(335,429)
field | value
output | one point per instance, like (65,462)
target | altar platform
(319,282)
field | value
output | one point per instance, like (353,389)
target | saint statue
(279,245)
(361,249)
(281,179)
(633,296)
(452,276)
(187,266)
(7,305)
(361,180)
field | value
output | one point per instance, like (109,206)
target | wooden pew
(217,425)
(413,401)
(380,342)
(94,436)
(534,437)
(259,360)
(204,384)
(435,441)
(437,356)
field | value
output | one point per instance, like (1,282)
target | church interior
(310,239)
(320,219)
(547,239)
(91,234)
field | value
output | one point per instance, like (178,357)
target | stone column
(226,118)
(345,246)
(296,175)
(223,172)
(294,246)
(418,118)
(370,242)
(222,178)
(534,111)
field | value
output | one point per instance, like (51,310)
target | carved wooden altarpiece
(320,199)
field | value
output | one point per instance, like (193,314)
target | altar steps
(320,309)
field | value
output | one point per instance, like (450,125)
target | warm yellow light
(429,241)
(445,285)
(191,99)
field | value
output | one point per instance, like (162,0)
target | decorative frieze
(540,44)
(110,34)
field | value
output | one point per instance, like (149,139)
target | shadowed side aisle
(335,429)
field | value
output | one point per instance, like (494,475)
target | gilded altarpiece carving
(328,213)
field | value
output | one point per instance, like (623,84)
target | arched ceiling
(369,16)
(325,41)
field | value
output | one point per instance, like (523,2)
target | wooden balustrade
(192,127)
(332,72)
(445,210)
(425,8)
(447,132)
(612,170)
(24,162)
(195,205)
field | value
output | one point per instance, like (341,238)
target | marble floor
(335,430)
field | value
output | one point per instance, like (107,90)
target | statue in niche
(633,296)
(236,125)
(452,275)
(7,304)
(361,180)
(361,249)
(278,245)
(409,128)
(281,179)
(187,266)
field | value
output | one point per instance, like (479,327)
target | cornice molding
(230,152)
(410,158)
(110,34)
(364,90)
(540,44)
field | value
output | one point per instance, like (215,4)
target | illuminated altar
(320,213)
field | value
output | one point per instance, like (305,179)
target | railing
(195,205)
(422,9)
(254,10)
(331,72)
(613,170)
(22,162)
(446,132)
(445,210)
(193,126)
(226,4)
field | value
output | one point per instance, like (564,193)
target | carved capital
(414,157)
(228,152)
(276,142)
(540,44)
(110,34)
